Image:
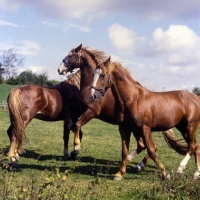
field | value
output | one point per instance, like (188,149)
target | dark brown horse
(45,103)
(107,109)
(145,111)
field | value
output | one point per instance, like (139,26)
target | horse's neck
(87,69)
(124,87)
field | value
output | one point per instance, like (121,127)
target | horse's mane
(97,55)
(124,72)
(72,81)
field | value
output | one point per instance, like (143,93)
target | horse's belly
(165,123)
(46,117)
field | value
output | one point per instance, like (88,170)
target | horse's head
(71,61)
(101,80)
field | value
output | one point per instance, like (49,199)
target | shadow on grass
(88,170)
(91,166)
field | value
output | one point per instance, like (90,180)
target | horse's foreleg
(125,136)
(151,148)
(86,117)
(12,154)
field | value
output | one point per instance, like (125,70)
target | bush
(196,90)
(1,80)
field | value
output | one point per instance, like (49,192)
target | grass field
(43,173)
(4,91)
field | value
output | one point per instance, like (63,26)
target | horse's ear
(107,61)
(78,48)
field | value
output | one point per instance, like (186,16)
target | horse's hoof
(118,178)
(168,177)
(67,157)
(137,168)
(196,175)
(163,178)
(74,154)
(13,164)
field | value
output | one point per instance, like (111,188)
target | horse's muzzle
(96,96)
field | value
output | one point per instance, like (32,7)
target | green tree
(42,79)
(28,77)
(52,82)
(196,90)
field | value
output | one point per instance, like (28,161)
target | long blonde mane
(97,55)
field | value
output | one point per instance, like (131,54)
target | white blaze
(97,72)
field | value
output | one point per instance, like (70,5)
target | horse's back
(37,100)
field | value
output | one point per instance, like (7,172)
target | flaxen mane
(97,55)
(73,80)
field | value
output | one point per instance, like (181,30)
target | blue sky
(158,41)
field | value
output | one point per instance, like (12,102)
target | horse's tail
(16,117)
(177,144)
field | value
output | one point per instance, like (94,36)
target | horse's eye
(101,76)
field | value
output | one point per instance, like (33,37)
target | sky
(157,41)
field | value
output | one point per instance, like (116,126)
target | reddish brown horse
(50,104)
(107,109)
(145,111)
(44,103)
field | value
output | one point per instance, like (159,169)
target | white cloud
(47,23)
(29,48)
(24,47)
(7,45)
(151,10)
(81,28)
(10,5)
(122,38)
(179,44)
(6,23)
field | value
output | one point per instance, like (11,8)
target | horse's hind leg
(189,135)
(152,150)
(140,147)
(140,166)
(12,154)
(197,160)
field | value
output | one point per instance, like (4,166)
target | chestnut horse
(50,104)
(107,109)
(44,103)
(146,111)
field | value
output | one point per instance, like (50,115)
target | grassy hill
(5,90)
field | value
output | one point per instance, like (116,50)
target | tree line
(10,61)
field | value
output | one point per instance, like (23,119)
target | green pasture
(43,173)
(4,91)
